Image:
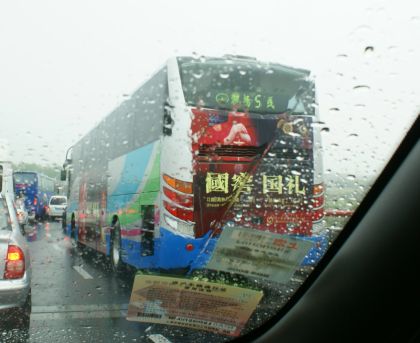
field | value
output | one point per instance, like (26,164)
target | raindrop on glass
(369,49)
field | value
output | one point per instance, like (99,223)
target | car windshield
(184,169)
(58,201)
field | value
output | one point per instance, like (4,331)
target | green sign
(246,100)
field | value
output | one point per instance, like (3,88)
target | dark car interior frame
(366,288)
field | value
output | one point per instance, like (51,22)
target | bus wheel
(116,261)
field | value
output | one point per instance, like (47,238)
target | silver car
(15,268)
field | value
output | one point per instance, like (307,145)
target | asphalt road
(77,298)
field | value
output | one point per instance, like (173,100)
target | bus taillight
(181,213)
(317,202)
(180,186)
(318,189)
(178,198)
(180,204)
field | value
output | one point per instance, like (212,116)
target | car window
(207,154)
(4,222)
(58,201)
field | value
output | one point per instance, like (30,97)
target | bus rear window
(24,178)
(246,86)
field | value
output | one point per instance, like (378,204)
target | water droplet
(334,109)
(224,75)
(369,49)
(361,87)
(351,177)
(325,129)
(198,75)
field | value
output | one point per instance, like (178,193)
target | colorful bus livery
(202,143)
(36,188)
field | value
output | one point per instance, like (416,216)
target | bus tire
(117,264)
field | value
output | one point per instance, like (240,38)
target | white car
(57,206)
(15,268)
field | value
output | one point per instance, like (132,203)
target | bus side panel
(173,253)
(133,183)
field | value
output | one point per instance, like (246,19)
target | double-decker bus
(37,189)
(202,143)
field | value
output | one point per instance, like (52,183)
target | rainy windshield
(210,156)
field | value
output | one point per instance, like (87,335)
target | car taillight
(15,263)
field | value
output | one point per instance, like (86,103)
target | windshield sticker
(201,305)
(261,254)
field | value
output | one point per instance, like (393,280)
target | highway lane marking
(83,272)
(63,312)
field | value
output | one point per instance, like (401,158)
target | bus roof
(249,60)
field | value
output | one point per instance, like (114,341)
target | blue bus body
(36,189)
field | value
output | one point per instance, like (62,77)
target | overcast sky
(64,65)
